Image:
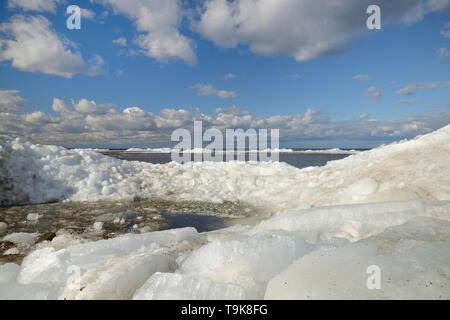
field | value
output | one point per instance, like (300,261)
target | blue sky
(400,54)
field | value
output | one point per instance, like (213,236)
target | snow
(35,173)
(150,150)
(200,150)
(388,207)
(329,151)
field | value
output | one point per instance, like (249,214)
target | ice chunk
(33,216)
(53,267)
(413,261)
(21,238)
(351,222)
(16,291)
(237,268)
(9,272)
(119,277)
(11,251)
(174,286)
(98,226)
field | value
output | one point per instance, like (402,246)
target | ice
(21,238)
(113,268)
(120,277)
(98,226)
(388,207)
(174,286)
(351,222)
(413,259)
(33,217)
(36,173)
(11,251)
(9,272)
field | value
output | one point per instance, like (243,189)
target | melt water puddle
(29,226)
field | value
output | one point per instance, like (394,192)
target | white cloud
(362,77)
(10,100)
(32,45)
(120,41)
(95,66)
(35,5)
(209,90)
(37,118)
(87,106)
(87,14)
(303,29)
(229,76)
(443,52)
(86,122)
(158,22)
(411,89)
(446,30)
(373,92)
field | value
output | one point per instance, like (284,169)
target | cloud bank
(88,123)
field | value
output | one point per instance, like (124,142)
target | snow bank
(201,150)
(150,150)
(328,151)
(416,169)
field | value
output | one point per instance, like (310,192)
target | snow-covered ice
(388,207)
(34,173)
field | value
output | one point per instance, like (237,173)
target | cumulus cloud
(303,29)
(10,100)
(31,44)
(443,52)
(89,123)
(209,90)
(120,41)
(362,77)
(373,92)
(158,23)
(411,89)
(35,5)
